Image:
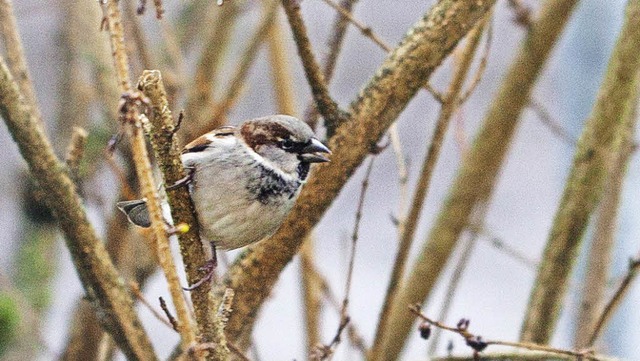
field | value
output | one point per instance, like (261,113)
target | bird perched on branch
(244,180)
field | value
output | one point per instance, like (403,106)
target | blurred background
(494,288)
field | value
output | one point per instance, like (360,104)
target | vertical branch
(311,293)
(182,210)
(597,148)
(97,273)
(409,226)
(280,69)
(603,240)
(145,177)
(326,106)
(480,168)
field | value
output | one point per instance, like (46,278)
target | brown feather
(199,144)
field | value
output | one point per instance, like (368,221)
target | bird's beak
(311,152)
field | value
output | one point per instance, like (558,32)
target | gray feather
(137,212)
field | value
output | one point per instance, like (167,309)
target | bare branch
(401,75)
(478,173)
(603,240)
(130,115)
(597,147)
(449,107)
(97,273)
(478,344)
(326,106)
(616,299)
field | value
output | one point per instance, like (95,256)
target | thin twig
(449,107)
(364,29)
(326,106)
(478,344)
(165,309)
(503,246)
(548,120)
(355,337)
(520,356)
(458,271)
(329,349)
(482,67)
(616,299)
(368,32)
(140,296)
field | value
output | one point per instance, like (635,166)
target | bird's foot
(209,267)
(186,180)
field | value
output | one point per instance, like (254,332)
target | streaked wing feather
(202,142)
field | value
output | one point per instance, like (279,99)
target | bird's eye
(287,144)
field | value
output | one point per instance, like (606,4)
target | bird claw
(209,267)
(186,180)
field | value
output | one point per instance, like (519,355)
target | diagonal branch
(142,163)
(449,108)
(382,100)
(99,277)
(597,148)
(479,170)
(327,107)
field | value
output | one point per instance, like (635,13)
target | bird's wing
(202,142)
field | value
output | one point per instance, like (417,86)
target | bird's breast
(239,203)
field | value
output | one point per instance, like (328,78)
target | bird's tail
(137,212)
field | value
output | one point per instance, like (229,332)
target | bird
(244,180)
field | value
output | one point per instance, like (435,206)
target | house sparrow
(244,180)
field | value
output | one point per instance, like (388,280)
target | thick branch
(406,69)
(182,210)
(409,226)
(145,175)
(104,288)
(603,240)
(479,170)
(597,148)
